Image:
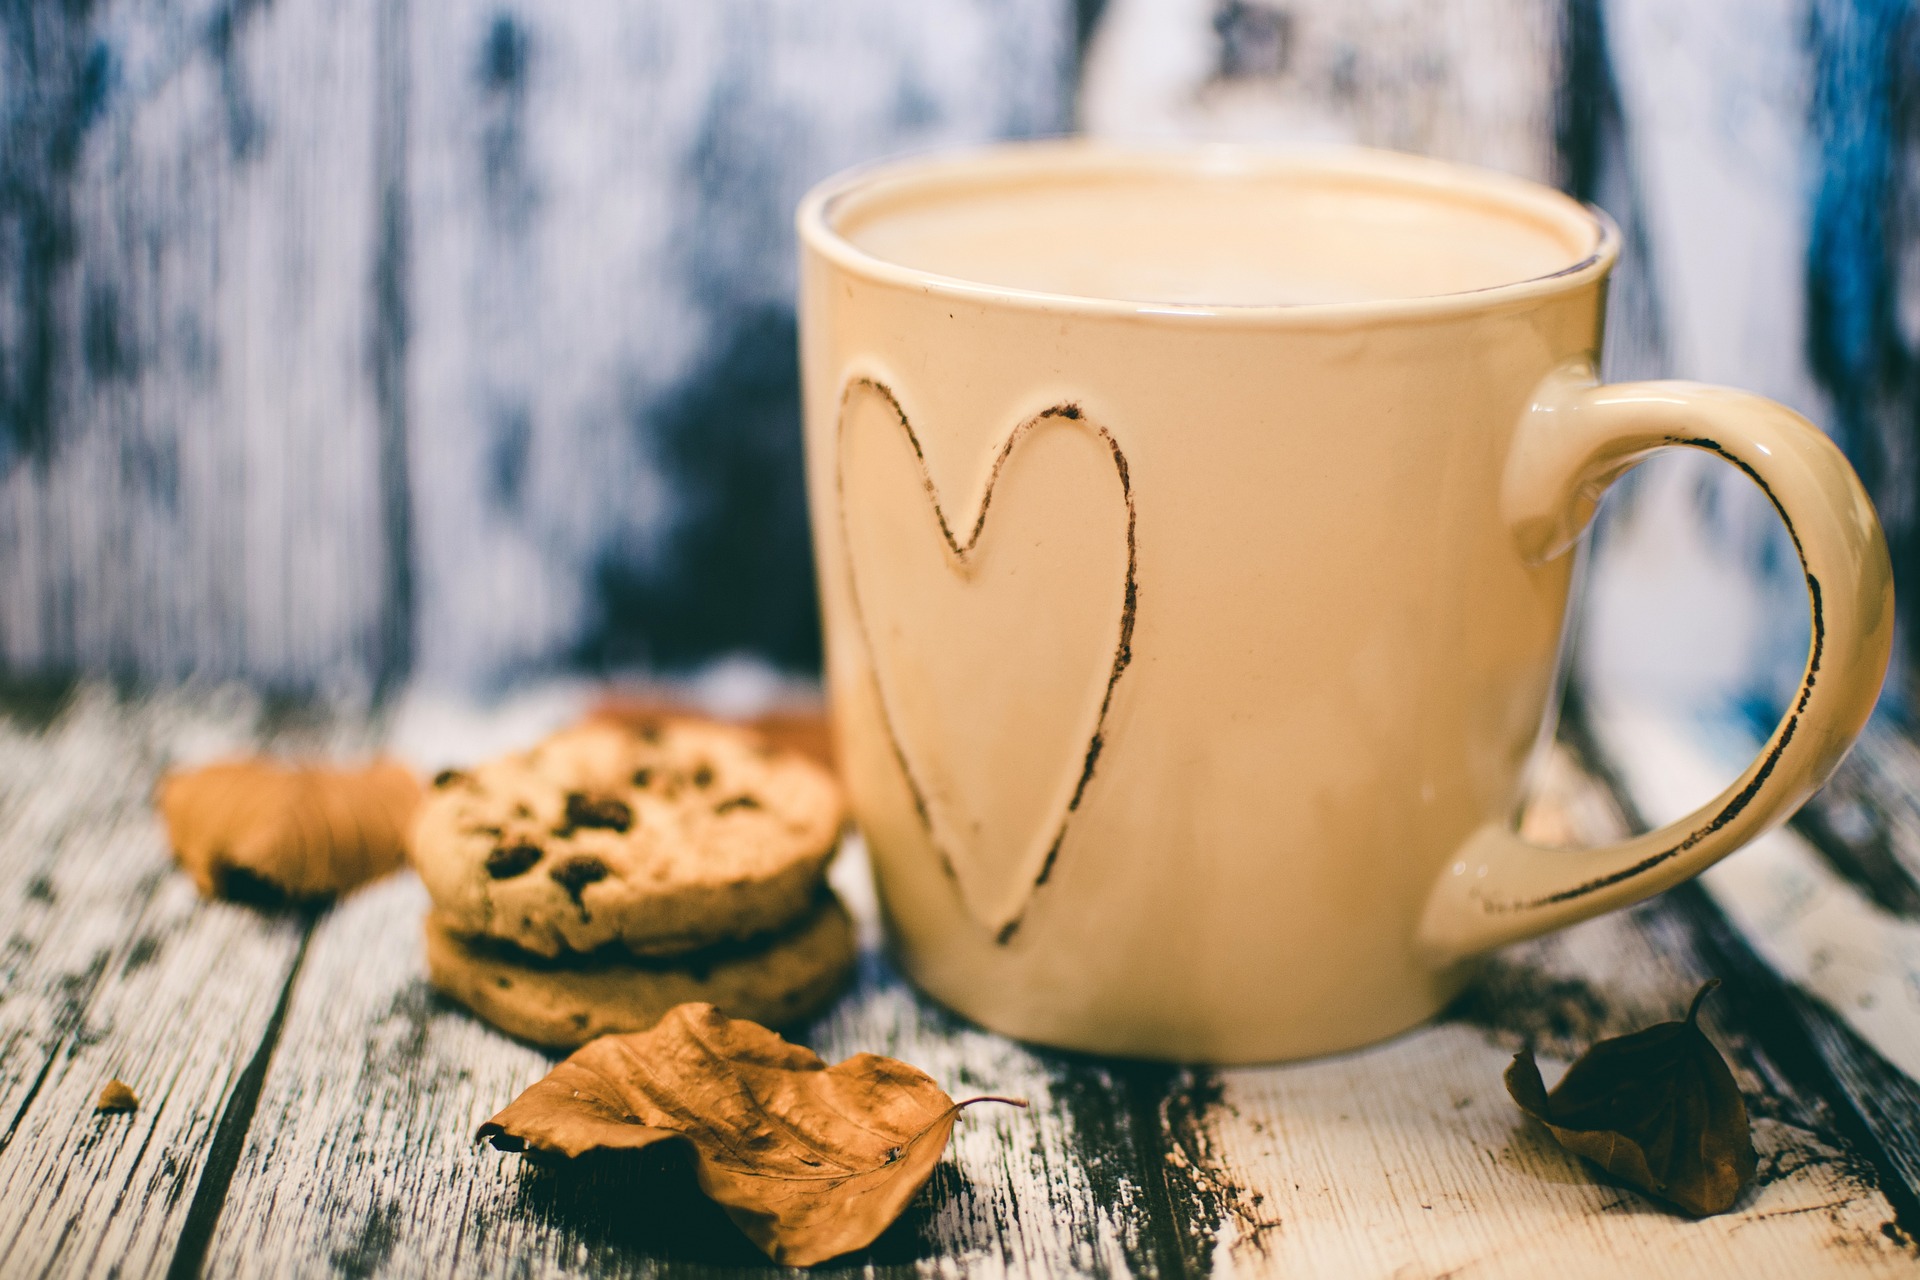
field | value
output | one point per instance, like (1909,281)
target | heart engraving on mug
(994,654)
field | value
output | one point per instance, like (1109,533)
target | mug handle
(1577,438)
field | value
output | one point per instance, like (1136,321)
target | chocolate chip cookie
(778,980)
(664,837)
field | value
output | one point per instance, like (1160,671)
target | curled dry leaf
(811,1161)
(116,1096)
(259,830)
(1657,1109)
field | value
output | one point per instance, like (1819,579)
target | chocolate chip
(642,777)
(736,802)
(650,731)
(605,813)
(576,874)
(447,777)
(703,776)
(511,860)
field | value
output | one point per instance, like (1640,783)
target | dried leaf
(810,1161)
(116,1097)
(1657,1109)
(258,830)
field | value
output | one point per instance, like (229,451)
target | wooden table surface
(308,1103)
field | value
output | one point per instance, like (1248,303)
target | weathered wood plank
(1866,820)
(113,967)
(198,485)
(1472,80)
(603,364)
(362,1155)
(1405,1156)
(64,794)
(359,1156)
(1410,1159)
(1853,962)
(334,332)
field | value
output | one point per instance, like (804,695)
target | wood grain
(308,1104)
(114,967)
(339,336)
(203,490)
(1866,820)
(1814,924)
(361,1156)
(1409,1159)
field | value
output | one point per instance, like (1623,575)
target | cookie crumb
(116,1097)
(512,860)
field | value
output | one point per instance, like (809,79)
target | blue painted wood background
(343,341)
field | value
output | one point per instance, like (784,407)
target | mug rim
(814,220)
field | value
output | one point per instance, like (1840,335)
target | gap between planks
(358,1158)
(1407,1158)
(1824,927)
(114,967)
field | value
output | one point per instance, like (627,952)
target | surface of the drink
(1247,234)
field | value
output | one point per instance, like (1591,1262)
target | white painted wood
(1031,1206)
(1694,590)
(1404,1159)
(432,729)
(1409,1159)
(362,1145)
(211,496)
(1815,930)
(363,1139)
(1716,95)
(114,968)
(359,315)
(1472,80)
(66,903)
(603,197)
(1877,801)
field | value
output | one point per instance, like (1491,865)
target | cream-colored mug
(1194,539)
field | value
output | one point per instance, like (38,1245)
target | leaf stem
(989,1097)
(1693,1010)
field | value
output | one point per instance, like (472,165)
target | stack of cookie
(592,883)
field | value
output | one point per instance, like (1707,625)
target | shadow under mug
(1194,531)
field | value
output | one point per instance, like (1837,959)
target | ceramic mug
(1193,533)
